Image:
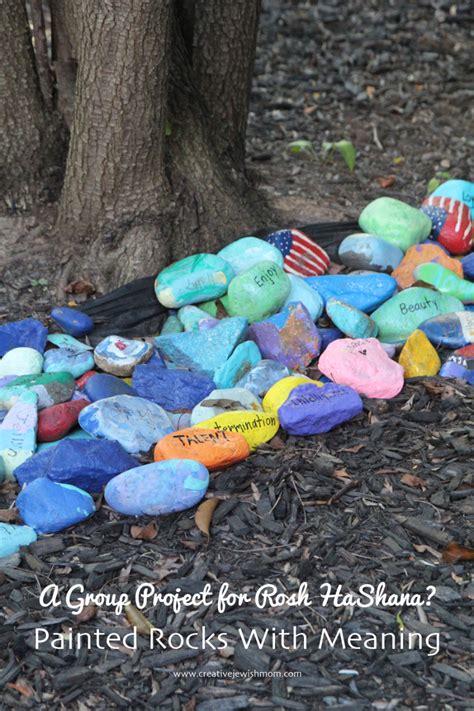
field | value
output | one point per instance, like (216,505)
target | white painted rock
(21,361)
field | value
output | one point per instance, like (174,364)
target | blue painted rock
(290,337)
(225,400)
(200,277)
(100,386)
(351,321)
(262,376)
(364,251)
(193,317)
(258,291)
(18,430)
(59,360)
(405,312)
(133,421)
(158,489)
(64,340)
(461,190)
(302,256)
(51,388)
(55,422)
(74,435)
(5,381)
(171,325)
(119,356)
(452,330)
(172,389)
(311,410)
(363,365)
(467,263)
(21,361)
(83,463)
(28,333)
(460,364)
(180,420)
(365,292)
(445,281)
(72,321)
(452,223)
(396,222)
(203,351)
(48,506)
(328,335)
(12,537)
(245,356)
(247,251)
(302,292)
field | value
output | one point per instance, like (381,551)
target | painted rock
(51,388)
(256,427)
(72,321)
(452,223)
(445,281)
(192,317)
(422,254)
(12,537)
(460,364)
(461,190)
(258,292)
(86,464)
(289,337)
(210,307)
(366,292)
(262,376)
(18,431)
(213,448)
(82,381)
(452,330)
(158,489)
(21,361)
(74,435)
(406,311)
(363,365)
(396,222)
(418,357)
(280,391)
(28,333)
(328,335)
(302,292)
(172,325)
(302,256)
(247,251)
(119,356)
(203,351)
(200,277)
(172,389)
(245,356)
(467,263)
(48,506)
(102,385)
(351,321)
(134,422)
(64,340)
(66,360)
(56,421)
(180,420)
(219,401)
(311,410)
(364,251)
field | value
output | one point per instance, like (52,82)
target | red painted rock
(452,223)
(213,448)
(421,254)
(56,421)
(80,382)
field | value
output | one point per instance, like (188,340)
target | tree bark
(41,52)
(64,24)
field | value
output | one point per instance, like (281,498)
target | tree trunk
(64,20)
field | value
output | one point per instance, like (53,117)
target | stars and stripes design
(301,256)
(452,223)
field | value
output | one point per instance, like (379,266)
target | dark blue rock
(88,464)
(328,335)
(28,333)
(453,330)
(312,410)
(101,386)
(48,506)
(468,266)
(172,389)
(72,321)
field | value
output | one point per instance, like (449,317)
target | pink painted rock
(56,421)
(362,364)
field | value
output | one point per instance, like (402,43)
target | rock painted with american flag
(452,223)
(301,256)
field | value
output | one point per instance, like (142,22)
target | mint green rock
(247,251)
(258,292)
(398,317)
(191,317)
(445,281)
(395,222)
(209,307)
(51,388)
(197,278)
(172,325)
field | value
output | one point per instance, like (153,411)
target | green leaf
(301,146)
(348,152)
(432,185)
(327,147)
(400,623)
(43,282)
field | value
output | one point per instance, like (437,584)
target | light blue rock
(351,321)
(199,277)
(71,361)
(302,292)
(18,429)
(458,190)
(225,400)
(365,251)
(245,356)
(191,317)
(247,251)
(64,340)
(365,292)
(262,376)
(12,537)
(48,506)
(171,325)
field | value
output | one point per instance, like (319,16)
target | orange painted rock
(213,448)
(421,254)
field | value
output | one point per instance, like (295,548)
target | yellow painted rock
(280,391)
(213,448)
(256,427)
(419,357)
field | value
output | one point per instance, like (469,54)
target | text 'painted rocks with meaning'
(396,222)
(172,389)
(200,277)
(452,330)
(119,356)
(418,357)
(365,251)
(48,506)
(213,448)
(72,321)
(258,292)
(422,254)
(256,427)
(310,410)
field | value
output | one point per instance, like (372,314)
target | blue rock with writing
(452,330)
(365,251)
(158,489)
(366,292)
(133,421)
(200,277)
(302,292)
(171,389)
(243,359)
(18,428)
(311,410)
(27,333)
(462,190)
(72,321)
(66,360)
(468,266)
(48,506)
(103,385)
(328,335)
(262,376)
(351,321)
(13,537)
(247,251)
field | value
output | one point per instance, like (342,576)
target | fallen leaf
(353,450)
(309,109)
(276,442)
(342,474)
(8,515)
(87,613)
(423,548)
(419,87)
(203,516)
(415,482)
(189,705)
(454,552)
(23,687)
(370,91)
(384,470)
(386,181)
(138,620)
(144,533)
(443,390)
(80,286)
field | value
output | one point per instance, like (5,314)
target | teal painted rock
(192,318)
(258,292)
(203,351)
(302,292)
(51,388)
(200,277)
(172,325)
(64,340)
(225,400)
(12,537)
(366,292)
(365,251)
(60,360)
(21,361)
(395,221)
(462,190)
(351,321)
(119,356)
(405,312)
(210,307)
(247,251)
(446,281)
(245,356)
(18,431)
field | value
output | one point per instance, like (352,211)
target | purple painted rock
(460,364)
(312,410)
(289,337)
(363,365)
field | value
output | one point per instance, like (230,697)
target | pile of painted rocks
(228,369)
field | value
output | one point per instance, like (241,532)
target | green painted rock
(398,317)
(51,388)
(200,277)
(258,292)
(446,281)
(395,221)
